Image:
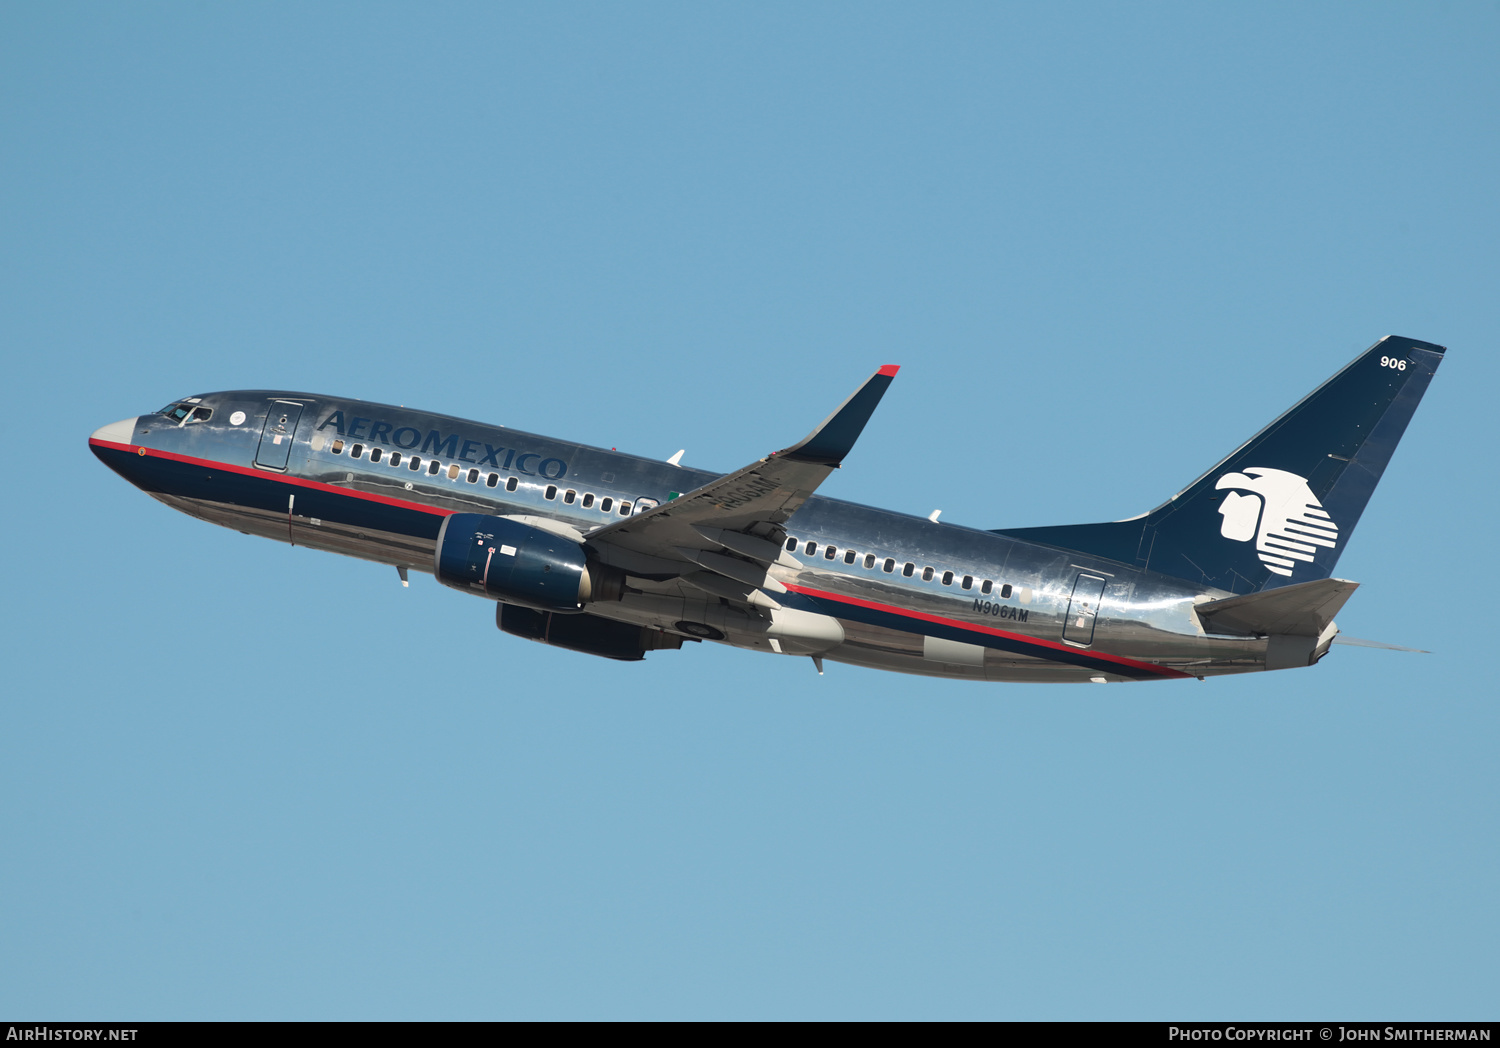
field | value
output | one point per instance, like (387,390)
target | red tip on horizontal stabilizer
(889,369)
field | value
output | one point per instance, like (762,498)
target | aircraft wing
(740,512)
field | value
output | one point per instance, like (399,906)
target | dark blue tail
(1281,508)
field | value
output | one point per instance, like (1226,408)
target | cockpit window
(184,411)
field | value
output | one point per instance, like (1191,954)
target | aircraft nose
(116,432)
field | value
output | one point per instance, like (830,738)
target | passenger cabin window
(453,471)
(947,578)
(889,565)
(988,585)
(337,448)
(550,493)
(570,496)
(434,468)
(415,463)
(926,574)
(1005,591)
(850,556)
(473,477)
(811,548)
(869,561)
(791,545)
(395,459)
(491,480)
(588,497)
(830,552)
(511,484)
(968,582)
(908,569)
(358,451)
(375,454)
(624,509)
(605,504)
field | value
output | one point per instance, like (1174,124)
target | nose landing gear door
(276,435)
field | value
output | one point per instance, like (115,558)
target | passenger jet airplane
(617,555)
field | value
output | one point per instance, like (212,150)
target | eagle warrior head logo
(1279,511)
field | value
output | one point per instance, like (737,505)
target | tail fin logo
(1279,511)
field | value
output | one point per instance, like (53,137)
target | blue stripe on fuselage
(168,475)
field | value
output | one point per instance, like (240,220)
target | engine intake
(506,560)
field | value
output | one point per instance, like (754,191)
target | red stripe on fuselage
(922,616)
(268,475)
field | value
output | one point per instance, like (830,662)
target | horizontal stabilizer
(1301,610)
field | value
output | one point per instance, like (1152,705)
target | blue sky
(1107,243)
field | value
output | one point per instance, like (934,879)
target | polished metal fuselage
(1140,624)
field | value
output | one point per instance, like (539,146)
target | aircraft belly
(883,648)
(363,541)
(876,647)
(864,644)
(266,504)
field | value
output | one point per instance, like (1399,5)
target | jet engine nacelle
(586,633)
(506,560)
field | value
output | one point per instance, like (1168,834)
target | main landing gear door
(1083,610)
(276,435)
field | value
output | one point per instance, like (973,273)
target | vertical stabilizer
(1281,508)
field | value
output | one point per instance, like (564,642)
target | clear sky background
(1107,243)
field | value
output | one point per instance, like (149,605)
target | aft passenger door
(276,435)
(1083,610)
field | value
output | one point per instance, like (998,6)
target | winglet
(830,442)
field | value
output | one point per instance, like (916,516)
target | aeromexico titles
(616,555)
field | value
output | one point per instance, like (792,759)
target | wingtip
(889,369)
